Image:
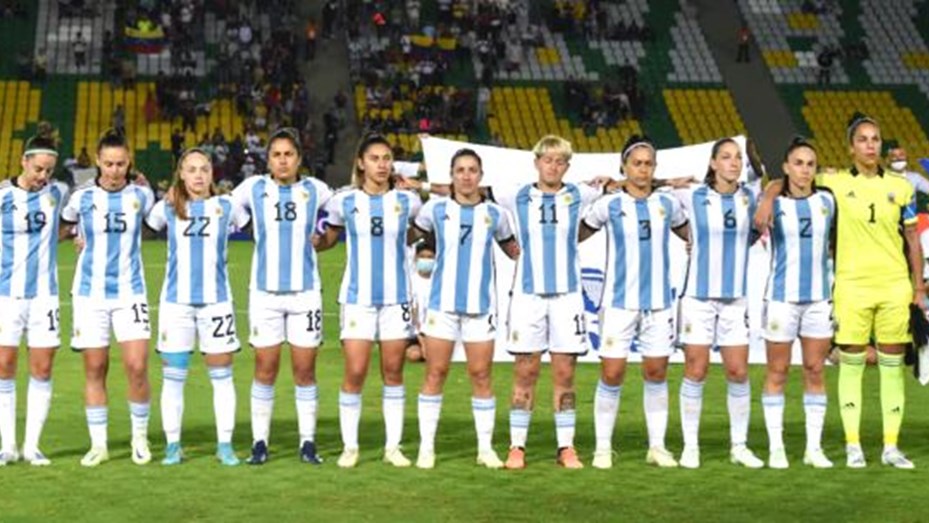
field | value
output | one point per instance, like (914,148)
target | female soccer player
(460,301)
(547,307)
(109,292)
(31,204)
(713,307)
(285,304)
(798,301)
(637,297)
(196,300)
(375,294)
(878,273)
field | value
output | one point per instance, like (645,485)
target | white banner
(512,166)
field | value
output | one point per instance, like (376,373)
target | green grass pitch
(287,490)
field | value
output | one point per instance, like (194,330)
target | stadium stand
(880,65)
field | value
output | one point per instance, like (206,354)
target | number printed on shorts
(580,325)
(407,312)
(314,320)
(141,312)
(225,326)
(54,320)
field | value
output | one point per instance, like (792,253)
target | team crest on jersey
(135,205)
(744,201)
(305,195)
(661,212)
(52,201)
(219,211)
(851,194)
(487,221)
(398,209)
(824,211)
(891,197)
(568,199)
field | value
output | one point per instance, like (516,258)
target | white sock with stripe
(224,402)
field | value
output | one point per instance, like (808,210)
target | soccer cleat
(396,458)
(173,454)
(817,459)
(895,458)
(777,459)
(567,458)
(516,459)
(854,457)
(603,459)
(489,459)
(690,458)
(661,457)
(8,456)
(226,455)
(425,459)
(35,458)
(308,453)
(348,459)
(259,453)
(141,454)
(741,455)
(95,456)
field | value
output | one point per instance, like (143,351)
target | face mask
(898,166)
(425,265)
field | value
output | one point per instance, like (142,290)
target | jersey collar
(854,171)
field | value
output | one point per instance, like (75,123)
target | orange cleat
(567,458)
(516,459)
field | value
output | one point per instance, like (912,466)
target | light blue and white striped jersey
(110,264)
(378,268)
(546,227)
(462,281)
(196,272)
(638,275)
(800,248)
(284,219)
(721,234)
(29,239)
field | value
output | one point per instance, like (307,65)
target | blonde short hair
(553,144)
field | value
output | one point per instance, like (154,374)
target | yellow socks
(892,395)
(851,371)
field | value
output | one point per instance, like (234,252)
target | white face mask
(898,165)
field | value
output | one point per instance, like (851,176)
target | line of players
(539,225)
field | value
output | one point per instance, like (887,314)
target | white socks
(519,427)
(655,402)
(773,405)
(96,425)
(138,414)
(814,406)
(37,404)
(739,400)
(394,398)
(429,408)
(172,402)
(349,417)
(485,411)
(307,404)
(262,406)
(8,414)
(224,402)
(606,408)
(691,404)
(564,427)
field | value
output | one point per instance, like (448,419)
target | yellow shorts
(863,311)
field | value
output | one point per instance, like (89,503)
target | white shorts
(383,322)
(465,327)
(555,323)
(653,332)
(93,319)
(708,322)
(181,325)
(37,317)
(294,317)
(785,321)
